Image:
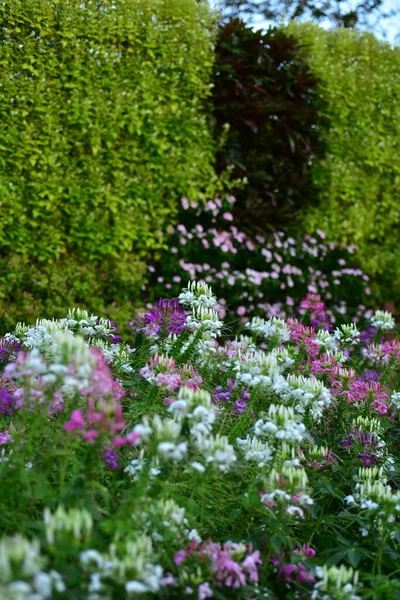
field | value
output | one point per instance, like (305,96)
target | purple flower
(204,591)
(6,403)
(167,316)
(221,396)
(367,440)
(369,376)
(111,458)
(5,437)
(368,460)
(368,336)
(9,349)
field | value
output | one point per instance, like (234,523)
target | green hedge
(359,178)
(102,130)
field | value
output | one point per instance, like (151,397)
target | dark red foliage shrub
(264,91)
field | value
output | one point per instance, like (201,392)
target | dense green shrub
(110,287)
(359,178)
(266,94)
(102,126)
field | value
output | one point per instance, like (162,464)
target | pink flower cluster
(5,437)
(164,373)
(360,392)
(106,418)
(382,354)
(296,571)
(231,565)
(102,383)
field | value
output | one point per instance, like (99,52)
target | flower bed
(186,463)
(255,275)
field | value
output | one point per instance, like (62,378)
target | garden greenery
(180,462)
(102,130)
(360,175)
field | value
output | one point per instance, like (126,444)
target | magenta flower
(287,571)
(76,421)
(5,437)
(179,557)
(107,419)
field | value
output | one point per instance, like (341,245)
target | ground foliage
(182,462)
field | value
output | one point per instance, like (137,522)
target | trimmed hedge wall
(359,179)
(102,130)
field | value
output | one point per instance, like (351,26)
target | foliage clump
(102,130)
(265,92)
(358,179)
(180,462)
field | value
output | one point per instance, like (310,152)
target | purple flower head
(369,376)
(367,440)
(367,336)
(111,458)
(6,403)
(9,349)
(5,437)
(226,396)
(167,316)
(368,460)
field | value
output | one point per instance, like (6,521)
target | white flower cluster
(22,558)
(216,450)
(42,335)
(307,394)
(288,491)
(274,329)
(346,334)
(198,295)
(373,493)
(82,322)
(165,434)
(326,339)
(118,355)
(70,366)
(335,583)
(75,521)
(161,515)
(259,368)
(196,407)
(136,466)
(383,320)
(199,298)
(255,450)
(285,361)
(205,319)
(395,400)
(131,566)
(280,423)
